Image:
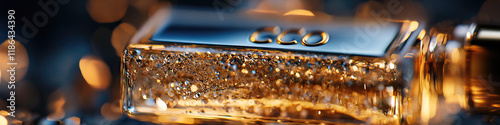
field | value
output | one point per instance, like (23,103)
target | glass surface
(194,83)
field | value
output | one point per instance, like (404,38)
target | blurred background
(68,51)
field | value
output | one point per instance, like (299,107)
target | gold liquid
(195,84)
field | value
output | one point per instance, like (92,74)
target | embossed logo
(275,30)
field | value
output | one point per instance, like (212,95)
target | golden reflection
(496,105)
(324,38)
(121,36)
(273,30)
(393,101)
(107,11)
(21,61)
(429,104)
(437,101)
(421,35)
(468,36)
(453,82)
(178,120)
(414,26)
(442,39)
(449,91)
(299,12)
(95,72)
(456,57)
(194,88)
(299,32)
(478,100)
(264,11)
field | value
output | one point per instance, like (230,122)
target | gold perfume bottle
(188,66)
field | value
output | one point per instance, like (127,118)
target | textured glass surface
(192,84)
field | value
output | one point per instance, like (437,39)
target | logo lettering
(275,30)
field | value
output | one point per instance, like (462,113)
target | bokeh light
(4,113)
(21,58)
(56,106)
(3,120)
(111,111)
(72,121)
(107,11)
(95,72)
(299,12)
(142,5)
(121,36)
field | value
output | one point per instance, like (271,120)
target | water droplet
(196,95)
(194,88)
(136,52)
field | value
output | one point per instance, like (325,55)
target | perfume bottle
(190,66)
